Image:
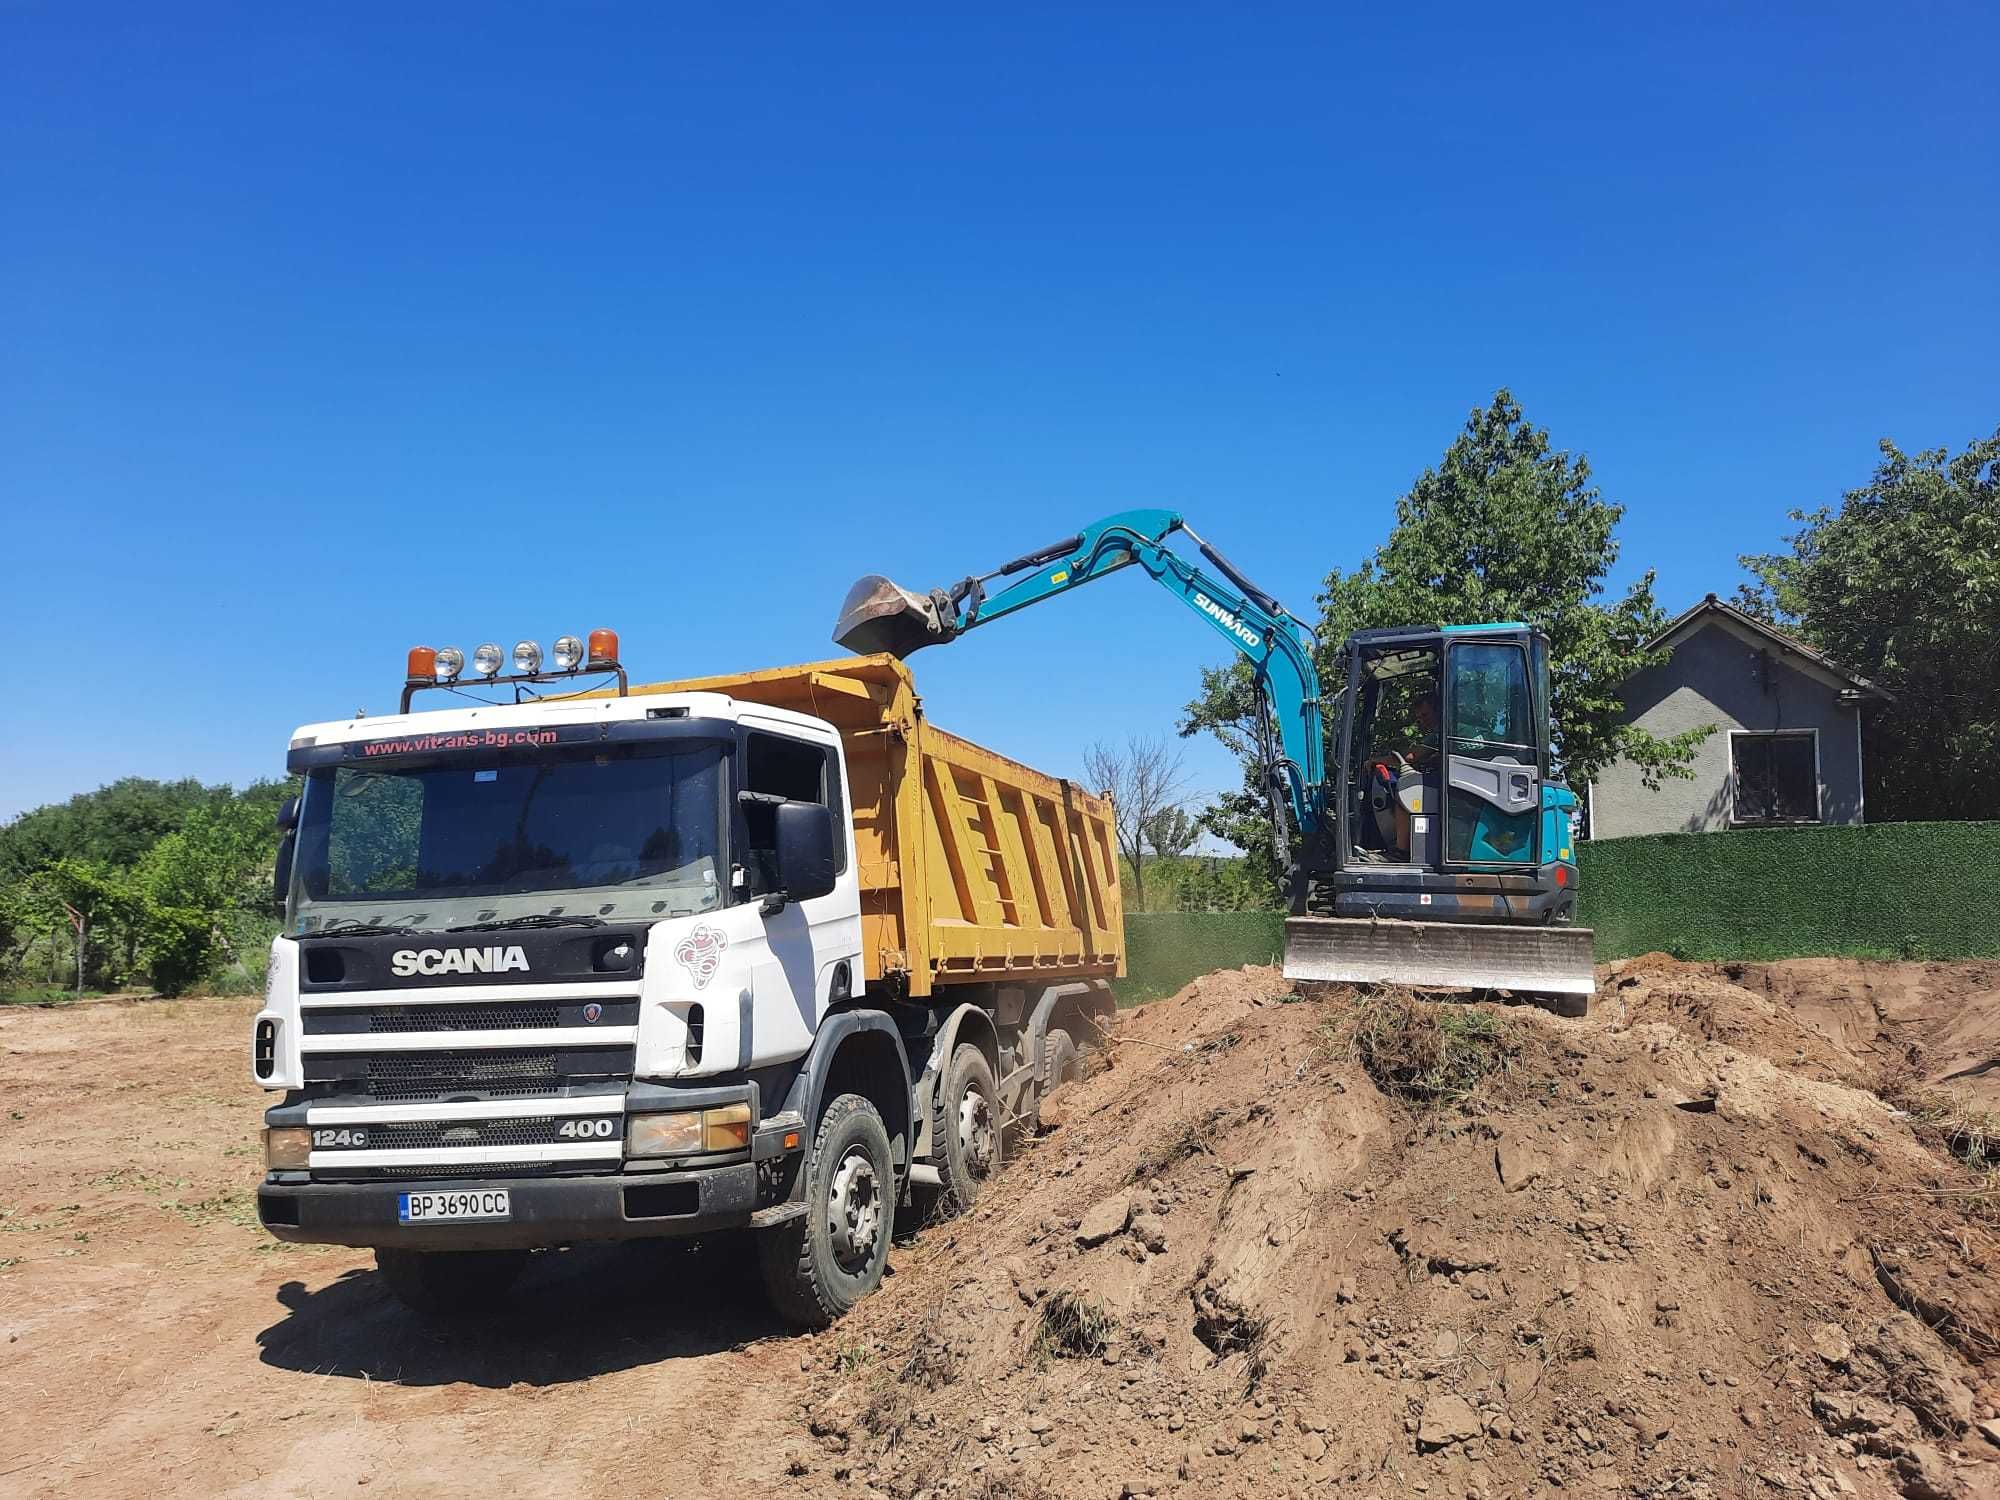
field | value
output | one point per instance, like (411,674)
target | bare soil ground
(155,1341)
(1681,1247)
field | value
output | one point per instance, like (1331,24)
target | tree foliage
(1504,527)
(1902,585)
(169,878)
(1172,832)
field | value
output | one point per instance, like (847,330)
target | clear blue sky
(328,329)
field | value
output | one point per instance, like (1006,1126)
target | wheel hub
(975,1132)
(854,1209)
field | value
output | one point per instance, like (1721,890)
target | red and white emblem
(700,953)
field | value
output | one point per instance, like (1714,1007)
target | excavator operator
(1399,775)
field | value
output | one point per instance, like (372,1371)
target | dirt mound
(1889,1026)
(1285,1244)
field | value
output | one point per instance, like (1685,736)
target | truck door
(803,941)
(1493,756)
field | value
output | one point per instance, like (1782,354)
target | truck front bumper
(543,1211)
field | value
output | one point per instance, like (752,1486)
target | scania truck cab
(588,967)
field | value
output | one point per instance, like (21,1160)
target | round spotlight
(527,656)
(450,662)
(568,653)
(486,659)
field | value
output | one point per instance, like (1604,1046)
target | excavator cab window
(1393,775)
(1494,753)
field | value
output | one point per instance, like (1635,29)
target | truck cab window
(797,772)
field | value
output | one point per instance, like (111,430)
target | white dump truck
(763,954)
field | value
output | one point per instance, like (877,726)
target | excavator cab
(1450,856)
(1448,806)
(1447,749)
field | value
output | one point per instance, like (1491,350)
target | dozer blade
(1442,956)
(879,615)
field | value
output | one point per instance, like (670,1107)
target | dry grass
(1432,1051)
(1073,1327)
(1951,1123)
(1229,1330)
(1192,1139)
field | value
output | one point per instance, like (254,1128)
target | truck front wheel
(965,1127)
(820,1264)
(450,1282)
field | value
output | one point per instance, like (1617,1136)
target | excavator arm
(1444,926)
(878,615)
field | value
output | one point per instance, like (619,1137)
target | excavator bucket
(1546,962)
(879,615)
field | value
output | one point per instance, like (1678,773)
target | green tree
(1171,832)
(82,898)
(1504,527)
(1902,584)
(196,881)
(169,871)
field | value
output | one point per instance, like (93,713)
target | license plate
(460,1207)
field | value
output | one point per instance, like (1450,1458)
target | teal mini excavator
(1435,852)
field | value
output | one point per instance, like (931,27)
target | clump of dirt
(1284,1244)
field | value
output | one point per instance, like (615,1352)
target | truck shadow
(573,1315)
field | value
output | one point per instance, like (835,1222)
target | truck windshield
(629,832)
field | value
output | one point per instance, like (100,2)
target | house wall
(1717,677)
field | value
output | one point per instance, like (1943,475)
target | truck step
(776,1214)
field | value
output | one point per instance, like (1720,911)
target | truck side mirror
(805,849)
(288,838)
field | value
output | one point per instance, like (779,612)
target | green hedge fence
(1165,949)
(1884,890)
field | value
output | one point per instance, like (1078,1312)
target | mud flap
(1552,961)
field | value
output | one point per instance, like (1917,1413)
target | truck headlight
(688,1132)
(288,1148)
(663,1135)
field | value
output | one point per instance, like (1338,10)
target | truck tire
(817,1266)
(1062,1060)
(450,1283)
(965,1128)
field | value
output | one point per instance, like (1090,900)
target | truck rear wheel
(965,1127)
(820,1264)
(1062,1062)
(450,1283)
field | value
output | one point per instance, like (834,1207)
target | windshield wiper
(363,929)
(533,919)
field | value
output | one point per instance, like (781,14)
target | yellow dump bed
(973,867)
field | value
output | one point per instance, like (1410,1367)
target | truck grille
(492,1015)
(428,1075)
(463,1018)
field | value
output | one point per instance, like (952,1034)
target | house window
(1776,776)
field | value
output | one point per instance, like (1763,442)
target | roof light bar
(442,667)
